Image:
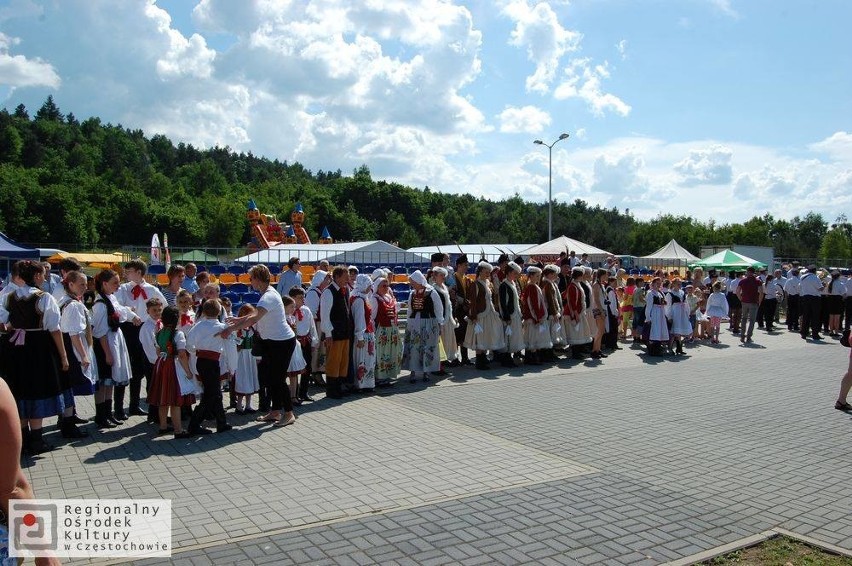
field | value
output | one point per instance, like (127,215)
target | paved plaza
(632,460)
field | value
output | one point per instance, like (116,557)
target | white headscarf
(319,277)
(377,282)
(418,277)
(363,285)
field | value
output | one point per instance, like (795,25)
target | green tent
(727,259)
(199,256)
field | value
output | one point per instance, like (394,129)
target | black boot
(304,384)
(112,418)
(135,392)
(118,395)
(533,359)
(153,414)
(37,443)
(679,344)
(549,355)
(69,428)
(77,419)
(482,362)
(101,416)
(25,440)
(465,360)
(506,360)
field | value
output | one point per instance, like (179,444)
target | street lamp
(550,182)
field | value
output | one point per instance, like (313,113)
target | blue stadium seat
(217,269)
(238,288)
(275,268)
(251,298)
(399,270)
(233,297)
(156,269)
(235,308)
(237,269)
(201,268)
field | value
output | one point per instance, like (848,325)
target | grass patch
(781,551)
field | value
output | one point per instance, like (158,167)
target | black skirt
(33,373)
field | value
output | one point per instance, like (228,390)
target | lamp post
(550,181)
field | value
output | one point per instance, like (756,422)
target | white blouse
(46,305)
(100,324)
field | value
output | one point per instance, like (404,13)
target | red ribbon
(185,320)
(299,314)
(138,290)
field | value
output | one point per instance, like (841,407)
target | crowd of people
(67,335)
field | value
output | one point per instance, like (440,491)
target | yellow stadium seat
(227,279)
(400,278)
(244,278)
(162,279)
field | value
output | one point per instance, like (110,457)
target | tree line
(90,184)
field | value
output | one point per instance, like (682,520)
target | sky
(718,109)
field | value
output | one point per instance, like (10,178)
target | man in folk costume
(336,325)
(555,308)
(458,295)
(536,322)
(448,327)
(510,313)
(320,281)
(423,328)
(485,329)
(575,322)
(498,274)
(134,295)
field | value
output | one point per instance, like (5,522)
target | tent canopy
(374,252)
(92,260)
(565,244)
(473,251)
(199,256)
(727,259)
(670,253)
(11,250)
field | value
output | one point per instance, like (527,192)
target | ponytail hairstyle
(166,335)
(102,277)
(70,278)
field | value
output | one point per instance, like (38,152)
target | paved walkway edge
(755,540)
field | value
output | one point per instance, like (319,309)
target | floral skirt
(388,353)
(420,345)
(364,362)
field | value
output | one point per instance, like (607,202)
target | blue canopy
(11,250)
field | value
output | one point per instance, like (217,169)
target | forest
(89,184)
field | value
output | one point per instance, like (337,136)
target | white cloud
(583,80)
(838,146)
(537,29)
(711,166)
(184,57)
(725,7)
(19,71)
(527,119)
(621,47)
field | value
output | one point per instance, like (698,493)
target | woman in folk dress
(423,329)
(511,314)
(536,322)
(388,343)
(655,312)
(364,350)
(448,328)
(484,329)
(76,327)
(575,321)
(677,311)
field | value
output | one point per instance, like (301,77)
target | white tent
(670,254)
(551,250)
(473,251)
(375,252)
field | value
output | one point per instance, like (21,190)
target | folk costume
(512,317)
(555,308)
(655,313)
(31,358)
(677,313)
(484,328)
(170,385)
(448,327)
(385,311)
(363,357)
(246,380)
(312,301)
(423,329)
(336,323)
(458,294)
(536,322)
(578,332)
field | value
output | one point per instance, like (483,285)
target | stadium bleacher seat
(217,269)
(227,278)
(251,298)
(201,268)
(162,279)
(274,268)
(237,269)
(233,297)
(235,308)
(244,278)
(156,269)
(399,269)
(238,288)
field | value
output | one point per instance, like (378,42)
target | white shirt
(148,338)
(312,300)
(838,288)
(125,297)
(772,289)
(732,285)
(791,286)
(204,335)
(810,285)
(100,325)
(273,325)
(306,326)
(326,301)
(46,305)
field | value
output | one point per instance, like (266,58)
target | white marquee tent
(473,251)
(670,254)
(375,252)
(551,250)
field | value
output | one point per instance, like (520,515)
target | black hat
(519,260)
(462,259)
(436,257)
(502,258)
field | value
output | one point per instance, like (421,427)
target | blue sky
(721,109)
